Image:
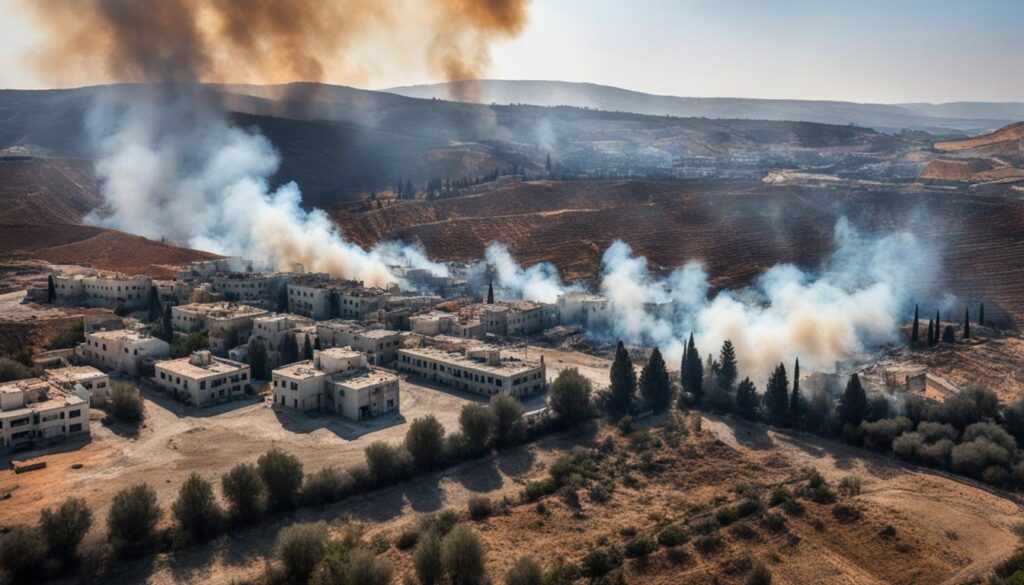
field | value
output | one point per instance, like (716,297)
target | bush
(913,447)
(126,403)
(245,493)
(639,547)
(780,494)
(850,485)
(425,441)
(759,575)
(479,507)
(774,522)
(575,467)
(427,559)
(744,531)
(14,370)
(506,412)
(561,573)
(600,562)
(846,513)
(570,397)
(992,432)
(932,431)
(462,556)
(476,422)
(749,507)
(673,535)
(879,435)
(22,552)
(197,515)
(408,538)
(975,457)
(972,404)
(132,518)
(352,565)
(282,476)
(526,571)
(327,486)
(600,493)
(794,507)
(535,490)
(64,527)
(818,490)
(300,547)
(725,516)
(708,544)
(388,463)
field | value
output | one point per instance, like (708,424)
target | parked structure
(109,290)
(37,411)
(339,381)
(122,350)
(202,379)
(475,368)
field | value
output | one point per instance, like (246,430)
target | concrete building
(339,381)
(86,382)
(277,329)
(475,368)
(36,411)
(229,324)
(515,318)
(379,345)
(251,287)
(432,323)
(202,379)
(122,350)
(109,290)
(583,308)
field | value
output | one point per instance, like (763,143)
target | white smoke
(173,167)
(539,282)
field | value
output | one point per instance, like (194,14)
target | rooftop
(298,370)
(121,335)
(508,367)
(379,333)
(362,378)
(72,374)
(195,369)
(221,309)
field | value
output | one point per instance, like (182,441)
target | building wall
(31,426)
(311,301)
(122,355)
(304,394)
(473,379)
(205,390)
(104,291)
(365,402)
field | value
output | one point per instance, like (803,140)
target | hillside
(996,157)
(970,117)
(37,190)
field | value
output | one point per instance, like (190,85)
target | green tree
(796,401)
(22,554)
(197,516)
(746,399)
(949,334)
(155,309)
(623,383)
(167,325)
(776,397)
(570,397)
(65,526)
(425,441)
(476,422)
(727,369)
(289,349)
(853,404)
(427,558)
(526,571)
(282,476)
(967,323)
(981,315)
(914,336)
(51,289)
(259,360)
(388,463)
(654,383)
(506,411)
(462,556)
(307,349)
(126,404)
(931,332)
(245,493)
(300,547)
(691,374)
(133,515)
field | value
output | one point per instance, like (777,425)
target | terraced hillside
(738,230)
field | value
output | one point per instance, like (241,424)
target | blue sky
(860,50)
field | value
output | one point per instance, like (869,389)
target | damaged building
(339,381)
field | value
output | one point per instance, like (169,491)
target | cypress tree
(307,349)
(51,289)
(490,292)
(931,332)
(981,315)
(776,396)
(654,385)
(691,373)
(259,361)
(938,324)
(727,370)
(746,399)
(796,401)
(853,404)
(289,349)
(167,325)
(949,334)
(967,323)
(623,383)
(914,335)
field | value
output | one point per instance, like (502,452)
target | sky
(887,51)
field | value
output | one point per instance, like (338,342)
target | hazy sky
(860,50)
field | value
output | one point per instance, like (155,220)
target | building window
(74,413)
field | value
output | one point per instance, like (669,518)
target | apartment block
(229,324)
(379,345)
(202,379)
(108,290)
(480,369)
(85,382)
(122,350)
(37,411)
(338,381)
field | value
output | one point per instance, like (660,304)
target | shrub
(126,403)
(780,494)
(427,559)
(14,370)
(744,531)
(245,493)
(282,476)
(600,492)
(879,435)
(425,441)
(462,556)
(933,431)
(759,575)
(570,397)
(749,507)
(846,513)
(479,507)
(818,490)
(357,566)
(526,571)
(388,463)
(850,485)
(774,522)
(794,507)
(133,516)
(575,467)
(672,535)
(725,516)
(535,490)
(600,562)
(972,404)
(561,573)
(64,527)
(708,544)
(408,538)
(327,486)
(476,422)
(22,552)
(506,412)
(974,457)
(992,432)
(639,547)
(197,516)
(300,547)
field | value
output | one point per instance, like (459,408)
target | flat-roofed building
(86,382)
(229,324)
(37,411)
(104,290)
(203,379)
(582,308)
(432,323)
(311,297)
(278,329)
(379,345)
(514,318)
(480,369)
(337,380)
(123,350)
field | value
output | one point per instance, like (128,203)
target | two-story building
(202,379)
(122,350)
(34,412)
(339,381)
(480,369)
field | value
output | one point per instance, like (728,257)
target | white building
(122,350)
(36,411)
(310,298)
(86,382)
(432,323)
(583,308)
(480,369)
(202,379)
(339,381)
(277,329)
(379,345)
(228,324)
(104,290)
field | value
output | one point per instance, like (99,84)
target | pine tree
(691,373)
(914,336)
(490,292)
(307,349)
(623,383)
(727,371)
(981,315)
(931,332)
(289,349)
(51,289)
(796,401)
(853,404)
(547,164)
(776,397)
(259,361)
(967,323)
(938,325)
(654,385)
(746,399)
(167,325)
(155,310)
